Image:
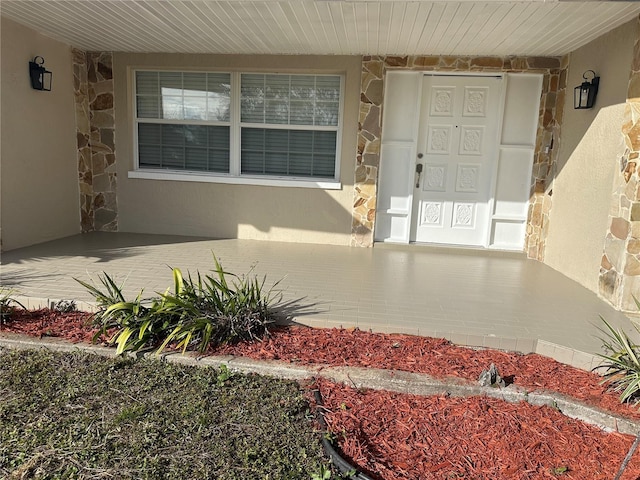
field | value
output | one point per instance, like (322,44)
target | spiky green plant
(621,363)
(218,308)
(131,321)
(112,292)
(201,311)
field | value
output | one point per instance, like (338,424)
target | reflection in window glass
(290,99)
(183,96)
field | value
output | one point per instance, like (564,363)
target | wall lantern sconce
(40,77)
(584,95)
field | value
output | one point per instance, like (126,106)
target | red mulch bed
(72,326)
(400,436)
(434,356)
(396,436)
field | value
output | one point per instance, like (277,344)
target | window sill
(244,180)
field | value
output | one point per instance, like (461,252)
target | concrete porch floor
(477,298)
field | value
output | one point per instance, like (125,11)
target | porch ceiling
(344,27)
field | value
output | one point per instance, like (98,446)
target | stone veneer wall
(554,70)
(620,268)
(95,132)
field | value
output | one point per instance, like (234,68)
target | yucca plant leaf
(168,339)
(186,341)
(122,339)
(621,363)
(111,294)
(96,336)
(222,275)
(178,281)
(633,384)
(144,327)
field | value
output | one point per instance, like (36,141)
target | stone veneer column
(368,153)
(554,71)
(620,268)
(544,163)
(83,134)
(95,132)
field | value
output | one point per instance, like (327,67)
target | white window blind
(287,125)
(302,103)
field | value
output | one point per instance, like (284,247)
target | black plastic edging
(336,458)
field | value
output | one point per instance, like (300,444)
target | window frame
(234,176)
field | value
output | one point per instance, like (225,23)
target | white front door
(456,161)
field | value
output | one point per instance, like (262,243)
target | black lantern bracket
(40,77)
(584,95)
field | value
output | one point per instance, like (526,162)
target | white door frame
(519,115)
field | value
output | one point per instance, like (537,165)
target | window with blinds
(183,120)
(285,125)
(289,124)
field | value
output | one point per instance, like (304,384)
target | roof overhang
(327,27)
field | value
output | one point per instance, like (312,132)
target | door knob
(418,171)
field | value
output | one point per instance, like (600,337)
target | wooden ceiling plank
(162,13)
(414,17)
(398,17)
(290,34)
(477,23)
(458,29)
(329,18)
(477,15)
(207,25)
(593,29)
(535,20)
(141,24)
(241,23)
(560,27)
(325,17)
(224,26)
(346,15)
(384,21)
(451,19)
(319,15)
(403,17)
(362,11)
(275,34)
(297,17)
(509,30)
(191,26)
(99,20)
(426,41)
(257,24)
(493,24)
(41,21)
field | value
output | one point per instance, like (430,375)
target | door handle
(418,172)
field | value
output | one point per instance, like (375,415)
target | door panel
(457,146)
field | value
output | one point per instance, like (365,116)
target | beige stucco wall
(236,211)
(591,144)
(39,185)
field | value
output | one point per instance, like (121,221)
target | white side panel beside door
(517,146)
(397,156)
